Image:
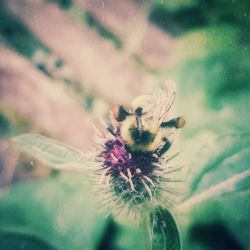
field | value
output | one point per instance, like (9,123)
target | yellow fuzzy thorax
(148,125)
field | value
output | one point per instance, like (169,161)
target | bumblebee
(145,124)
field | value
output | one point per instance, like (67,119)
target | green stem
(147,232)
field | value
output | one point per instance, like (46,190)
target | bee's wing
(51,152)
(161,102)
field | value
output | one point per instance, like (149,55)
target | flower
(131,179)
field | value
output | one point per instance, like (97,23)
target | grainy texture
(97,63)
(41,101)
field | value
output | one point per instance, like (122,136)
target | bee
(145,123)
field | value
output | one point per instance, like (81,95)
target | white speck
(32,163)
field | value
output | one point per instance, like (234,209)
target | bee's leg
(178,122)
(165,147)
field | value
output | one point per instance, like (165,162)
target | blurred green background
(64,63)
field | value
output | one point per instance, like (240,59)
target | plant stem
(147,232)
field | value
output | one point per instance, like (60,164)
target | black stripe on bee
(142,137)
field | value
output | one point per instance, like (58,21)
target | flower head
(131,176)
(131,173)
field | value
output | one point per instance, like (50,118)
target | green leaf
(232,184)
(20,241)
(165,233)
(60,211)
(227,154)
(51,152)
(219,185)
